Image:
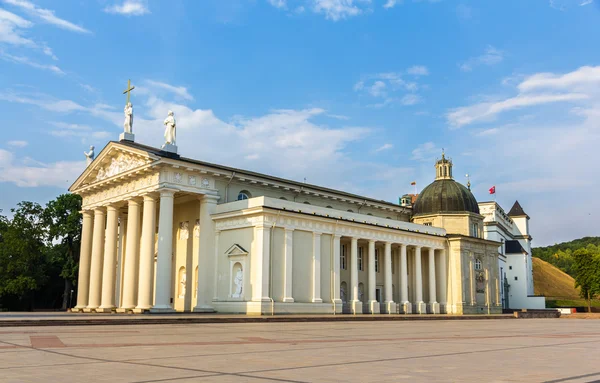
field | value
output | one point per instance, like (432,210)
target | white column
(216,266)
(288,250)
(406,305)
(443,282)
(131,255)
(260,264)
(110,260)
(316,269)
(434,306)
(421,307)
(162,298)
(206,254)
(355,303)
(146,271)
(390,307)
(372,302)
(97,259)
(121,243)
(85,258)
(336,281)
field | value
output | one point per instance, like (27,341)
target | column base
(162,310)
(443,308)
(433,308)
(77,309)
(421,308)
(123,310)
(389,307)
(105,309)
(141,310)
(203,309)
(288,300)
(89,309)
(373,307)
(356,307)
(406,308)
(317,300)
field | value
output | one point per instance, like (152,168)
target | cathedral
(165,233)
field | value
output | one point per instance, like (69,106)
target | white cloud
(17,143)
(377,89)
(586,2)
(418,70)
(11,31)
(488,132)
(410,99)
(66,130)
(384,147)
(580,79)
(157,86)
(46,15)
(129,8)
(281,4)
(338,9)
(27,172)
(425,152)
(390,4)
(488,111)
(491,56)
(26,61)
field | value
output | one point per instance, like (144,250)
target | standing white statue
(183,282)
(170,129)
(89,156)
(238,281)
(128,124)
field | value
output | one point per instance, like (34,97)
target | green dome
(445,196)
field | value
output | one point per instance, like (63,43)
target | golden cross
(128,90)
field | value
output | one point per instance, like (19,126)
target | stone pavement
(535,350)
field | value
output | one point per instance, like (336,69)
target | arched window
(244,194)
(330,207)
(306,203)
(283,198)
(350,211)
(369,214)
(477,264)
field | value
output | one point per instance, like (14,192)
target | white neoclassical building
(165,233)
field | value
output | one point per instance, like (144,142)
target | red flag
(413,183)
(493,190)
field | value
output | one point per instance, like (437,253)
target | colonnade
(389,306)
(141,290)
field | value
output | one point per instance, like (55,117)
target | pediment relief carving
(119,164)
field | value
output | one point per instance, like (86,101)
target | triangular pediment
(236,250)
(113,161)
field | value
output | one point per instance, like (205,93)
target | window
(376,260)
(244,194)
(343,258)
(510,267)
(427,223)
(360,259)
(478,264)
(475,230)
(516,278)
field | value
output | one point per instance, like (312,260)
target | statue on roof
(89,156)
(128,124)
(170,129)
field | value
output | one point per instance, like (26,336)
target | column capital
(133,200)
(167,192)
(402,245)
(337,236)
(372,241)
(100,210)
(288,229)
(388,243)
(87,212)
(317,233)
(149,197)
(208,198)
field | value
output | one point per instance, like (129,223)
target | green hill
(561,254)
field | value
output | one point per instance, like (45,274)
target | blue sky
(358,95)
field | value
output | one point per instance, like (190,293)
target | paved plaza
(535,350)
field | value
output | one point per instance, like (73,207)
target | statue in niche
(184,233)
(197,229)
(89,156)
(361,293)
(480,282)
(343,294)
(182,283)
(128,124)
(170,128)
(238,281)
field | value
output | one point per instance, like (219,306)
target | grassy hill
(550,281)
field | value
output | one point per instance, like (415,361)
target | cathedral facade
(164,233)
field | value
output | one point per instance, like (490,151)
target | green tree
(586,267)
(63,219)
(22,254)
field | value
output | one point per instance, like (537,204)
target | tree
(63,218)
(586,267)
(22,254)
